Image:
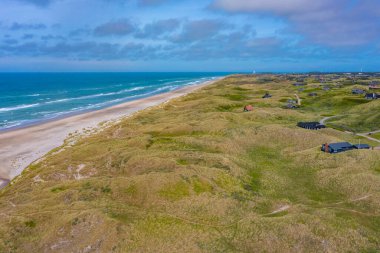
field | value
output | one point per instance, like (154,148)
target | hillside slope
(200,175)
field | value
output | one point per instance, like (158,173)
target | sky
(189,35)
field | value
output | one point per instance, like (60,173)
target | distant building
(358,91)
(291,106)
(248,108)
(337,147)
(374,87)
(371,96)
(342,147)
(267,95)
(326,88)
(362,146)
(311,125)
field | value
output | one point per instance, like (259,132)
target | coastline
(22,146)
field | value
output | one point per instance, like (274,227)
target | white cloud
(330,22)
(284,7)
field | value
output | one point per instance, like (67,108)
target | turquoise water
(29,98)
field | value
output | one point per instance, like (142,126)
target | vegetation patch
(30,224)
(200,175)
(176,191)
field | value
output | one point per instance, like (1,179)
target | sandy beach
(21,147)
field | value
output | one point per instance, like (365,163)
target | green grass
(364,118)
(175,191)
(200,175)
(376,136)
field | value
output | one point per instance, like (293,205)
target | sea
(32,98)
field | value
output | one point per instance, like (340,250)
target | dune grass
(200,175)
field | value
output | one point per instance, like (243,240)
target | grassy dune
(200,175)
(362,118)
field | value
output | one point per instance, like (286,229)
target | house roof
(267,95)
(248,107)
(340,145)
(361,146)
(308,123)
(371,95)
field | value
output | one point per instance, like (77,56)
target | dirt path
(279,210)
(299,102)
(365,135)
(368,137)
(354,200)
(323,121)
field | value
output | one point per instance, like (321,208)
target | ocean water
(30,98)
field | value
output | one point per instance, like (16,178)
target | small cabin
(248,108)
(326,88)
(267,95)
(358,91)
(342,147)
(371,96)
(311,125)
(291,106)
(337,147)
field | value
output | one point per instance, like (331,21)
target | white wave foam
(33,95)
(96,95)
(19,107)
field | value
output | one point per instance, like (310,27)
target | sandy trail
(279,210)
(20,147)
(365,135)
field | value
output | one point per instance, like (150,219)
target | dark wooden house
(358,91)
(267,95)
(311,125)
(337,147)
(371,96)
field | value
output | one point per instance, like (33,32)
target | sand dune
(20,147)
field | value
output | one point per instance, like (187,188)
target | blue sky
(189,35)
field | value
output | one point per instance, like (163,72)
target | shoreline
(31,123)
(22,146)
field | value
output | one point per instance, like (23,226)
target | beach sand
(20,147)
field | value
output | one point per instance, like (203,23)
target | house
(358,91)
(267,95)
(311,125)
(374,87)
(313,94)
(291,106)
(248,108)
(337,147)
(326,88)
(362,146)
(371,96)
